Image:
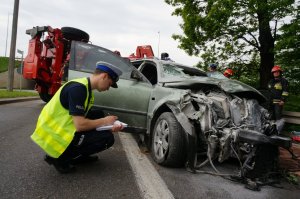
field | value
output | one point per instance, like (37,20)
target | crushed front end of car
(227,125)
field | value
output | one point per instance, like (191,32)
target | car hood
(227,85)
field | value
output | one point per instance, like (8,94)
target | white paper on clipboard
(109,127)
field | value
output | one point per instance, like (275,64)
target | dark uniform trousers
(276,111)
(88,142)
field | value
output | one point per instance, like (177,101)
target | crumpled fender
(176,103)
(182,119)
(191,137)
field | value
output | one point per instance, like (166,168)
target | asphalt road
(121,172)
(24,174)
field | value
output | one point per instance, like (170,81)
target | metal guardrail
(291,117)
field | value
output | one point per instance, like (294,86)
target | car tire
(70,33)
(45,97)
(168,141)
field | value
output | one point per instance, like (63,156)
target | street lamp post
(21,70)
(158,44)
(11,63)
(6,34)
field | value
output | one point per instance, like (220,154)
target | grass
(16,93)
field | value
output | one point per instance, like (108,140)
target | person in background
(278,87)
(228,73)
(117,53)
(212,69)
(66,127)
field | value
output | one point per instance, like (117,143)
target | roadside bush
(294,88)
(4,61)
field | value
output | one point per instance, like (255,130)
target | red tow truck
(48,56)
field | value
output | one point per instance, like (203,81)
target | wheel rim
(161,139)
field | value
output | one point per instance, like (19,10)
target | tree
(288,51)
(227,29)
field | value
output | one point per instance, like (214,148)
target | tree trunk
(266,49)
(266,64)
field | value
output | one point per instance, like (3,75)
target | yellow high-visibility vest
(55,128)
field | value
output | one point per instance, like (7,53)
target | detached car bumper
(255,137)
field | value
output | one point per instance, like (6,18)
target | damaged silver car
(182,113)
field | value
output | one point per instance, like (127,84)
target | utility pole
(11,65)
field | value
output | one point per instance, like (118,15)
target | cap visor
(114,85)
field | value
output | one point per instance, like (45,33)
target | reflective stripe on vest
(54,131)
(276,101)
(284,93)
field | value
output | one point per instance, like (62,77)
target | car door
(130,100)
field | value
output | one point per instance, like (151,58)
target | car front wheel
(168,141)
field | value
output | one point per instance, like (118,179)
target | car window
(216,74)
(137,64)
(85,56)
(150,72)
(178,71)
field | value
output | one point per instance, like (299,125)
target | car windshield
(85,56)
(176,72)
(216,74)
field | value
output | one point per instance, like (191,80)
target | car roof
(156,60)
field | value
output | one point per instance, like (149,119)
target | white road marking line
(150,183)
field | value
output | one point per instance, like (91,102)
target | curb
(18,99)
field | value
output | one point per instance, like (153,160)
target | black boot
(60,166)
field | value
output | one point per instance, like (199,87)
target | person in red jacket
(228,73)
(278,87)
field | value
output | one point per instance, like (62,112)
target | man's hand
(110,119)
(84,124)
(117,127)
(281,103)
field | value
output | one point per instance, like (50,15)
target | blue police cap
(113,71)
(213,65)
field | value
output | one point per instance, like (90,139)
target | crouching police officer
(63,129)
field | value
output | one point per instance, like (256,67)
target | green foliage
(231,33)
(288,52)
(294,82)
(292,103)
(4,64)
(289,41)
(288,128)
(16,93)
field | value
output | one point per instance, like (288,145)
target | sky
(113,24)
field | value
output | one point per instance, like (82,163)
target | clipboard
(109,127)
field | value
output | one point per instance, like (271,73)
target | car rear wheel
(45,97)
(168,142)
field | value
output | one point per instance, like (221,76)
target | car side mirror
(136,75)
